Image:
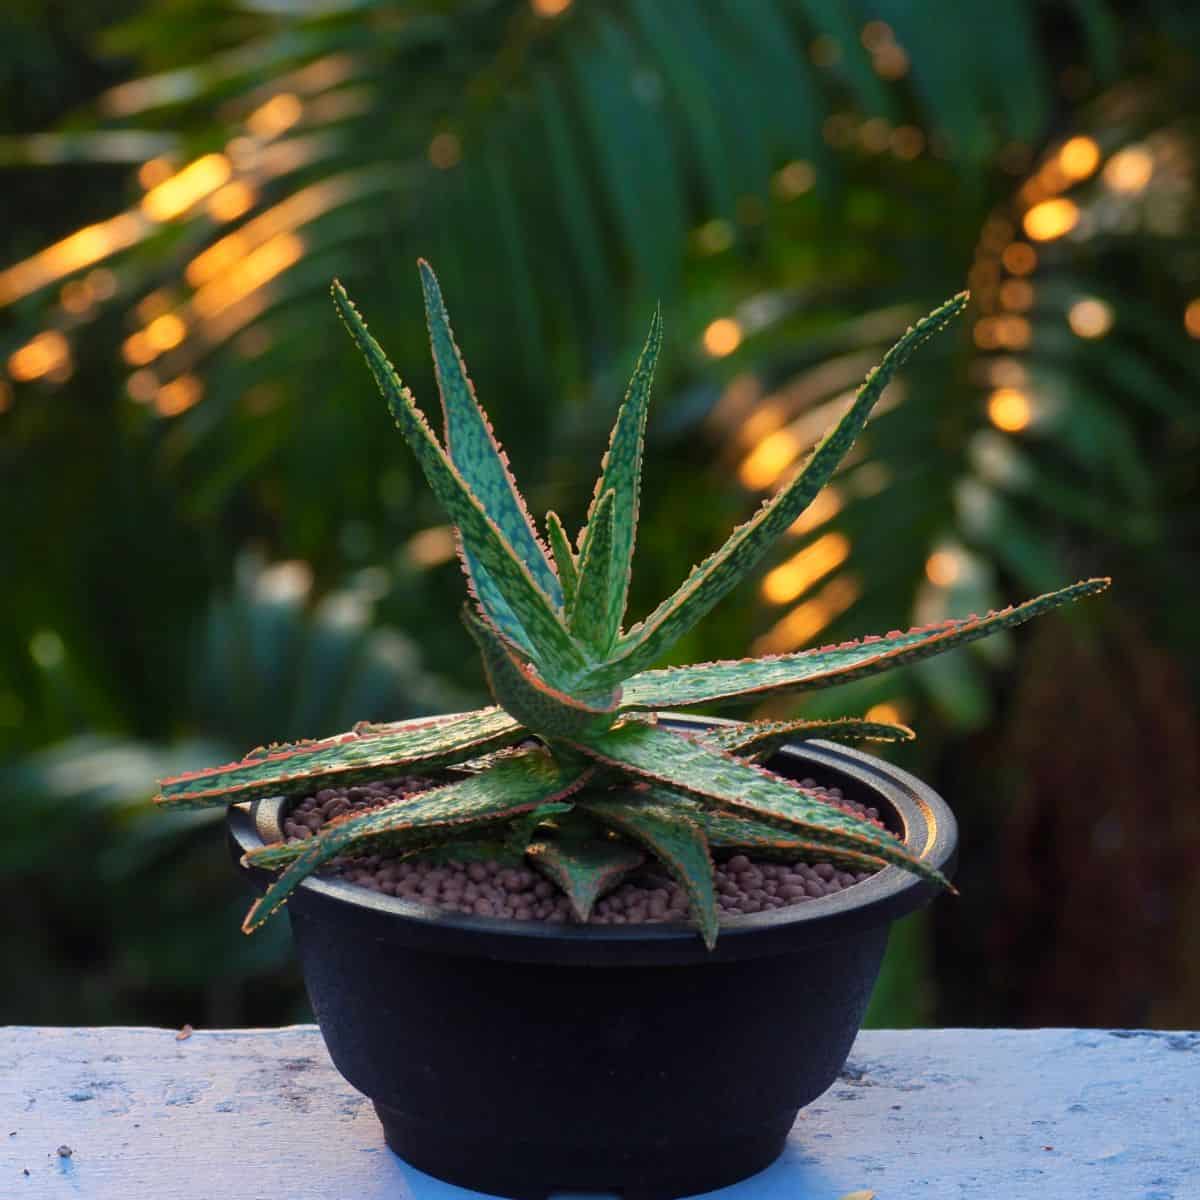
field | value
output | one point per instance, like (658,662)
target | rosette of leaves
(570,769)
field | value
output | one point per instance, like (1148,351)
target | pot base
(533,1170)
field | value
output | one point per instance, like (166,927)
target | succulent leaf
(589,614)
(472,447)
(675,840)
(620,473)
(725,831)
(513,786)
(564,559)
(758,740)
(516,687)
(529,617)
(669,760)
(752,679)
(726,567)
(368,752)
(584,865)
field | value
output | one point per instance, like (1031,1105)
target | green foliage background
(180,588)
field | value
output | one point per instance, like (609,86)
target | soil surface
(743,885)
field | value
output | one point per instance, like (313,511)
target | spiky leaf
(726,567)
(533,619)
(758,740)
(564,559)
(672,761)
(747,680)
(675,840)
(516,687)
(472,447)
(593,600)
(513,786)
(620,473)
(726,831)
(368,752)
(583,865)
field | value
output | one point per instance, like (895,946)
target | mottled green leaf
(727,831)
(367,752)
(759,739)
(585,867)
(752,679)
(564,559)
(513,786)
(726,567)
(675,840)
(515,686)
(621,474)
(538,623)
(667,759)
(593,601)
(472,447)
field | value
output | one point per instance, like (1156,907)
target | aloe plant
(570,769)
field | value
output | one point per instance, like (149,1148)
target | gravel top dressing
(743,885)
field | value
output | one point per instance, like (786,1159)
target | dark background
(212,539)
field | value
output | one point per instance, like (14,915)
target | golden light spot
(890,61)
(75,297)
(986,333)
(943,568)
(769,459)
(877,34)
(431,547)
(249,273)
(231,201)
(549,8)
(174,196)
(825,506)
(445,150)
(165,332)
(244,152)
(888,712)
(1051,219)
(142,385)
(714,236)
(137,350)
(1014,333)
(178,396)
(807,619)
(1009,409)
(1007,372)
(794,577)
(1191,318)
(907,141)
(47,352)
(1078,157)
(276,115)
(153,304)
(154,171)
(794,179)
(1129,170)
(102,282)
(1016,295)
(1019,258)
(722,337)
(873,135)
(1090,317)
(79,249)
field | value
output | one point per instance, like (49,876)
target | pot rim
(916,812)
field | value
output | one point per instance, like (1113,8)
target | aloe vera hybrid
(570,770)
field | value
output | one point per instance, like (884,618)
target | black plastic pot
(523,1058)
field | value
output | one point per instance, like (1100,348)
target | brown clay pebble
(491,889)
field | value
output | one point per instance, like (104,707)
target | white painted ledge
(921,1115)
